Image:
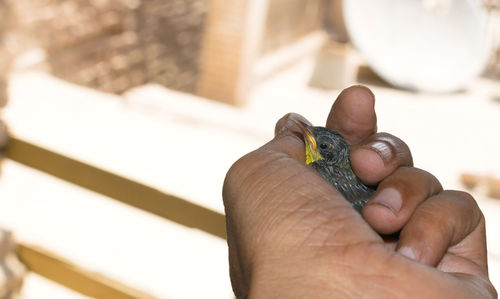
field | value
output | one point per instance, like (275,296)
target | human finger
(449,222)
(353,114)
(397,197)
(374,156)
(378,156)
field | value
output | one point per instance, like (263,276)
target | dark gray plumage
(335,167)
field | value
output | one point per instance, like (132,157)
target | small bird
(328,153)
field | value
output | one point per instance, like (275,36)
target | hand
(292,235)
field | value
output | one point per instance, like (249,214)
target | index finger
(353,114)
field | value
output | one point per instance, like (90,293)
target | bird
(327,151)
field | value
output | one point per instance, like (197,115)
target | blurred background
(120,119)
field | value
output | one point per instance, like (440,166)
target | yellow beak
(312,153)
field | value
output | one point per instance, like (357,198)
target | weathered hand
(292,235)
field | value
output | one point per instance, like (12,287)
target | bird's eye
(322,146)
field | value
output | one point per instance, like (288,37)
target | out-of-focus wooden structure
(488,184)
(246,41)
(73,276)
(230,47)
(217,49)
(113,45)
(11,270)
(211,48)
(5,55)
(493,68)
(112,185)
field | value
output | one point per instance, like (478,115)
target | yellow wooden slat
(117,187)
(74,277)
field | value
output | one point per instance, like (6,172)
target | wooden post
(231,42)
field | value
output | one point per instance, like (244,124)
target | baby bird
(328,153)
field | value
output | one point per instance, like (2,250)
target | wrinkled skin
(292,235)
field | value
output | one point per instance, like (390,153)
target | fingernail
(287,122)
(383,148)
(389,198)
(408,252)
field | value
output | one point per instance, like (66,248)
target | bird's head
(324,144)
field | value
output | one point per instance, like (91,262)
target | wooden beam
(73,276)
(231,43)
(117,187)
(285,56)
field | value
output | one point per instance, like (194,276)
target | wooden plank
(230,45)
(274,61)
(117,187)
(73,276)
(289,20)
(335,66)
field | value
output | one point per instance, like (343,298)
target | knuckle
(430,180)
(433,221)
(462,197)
(413,181)
(236,175)
(466,201)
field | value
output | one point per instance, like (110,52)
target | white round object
(425,45)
